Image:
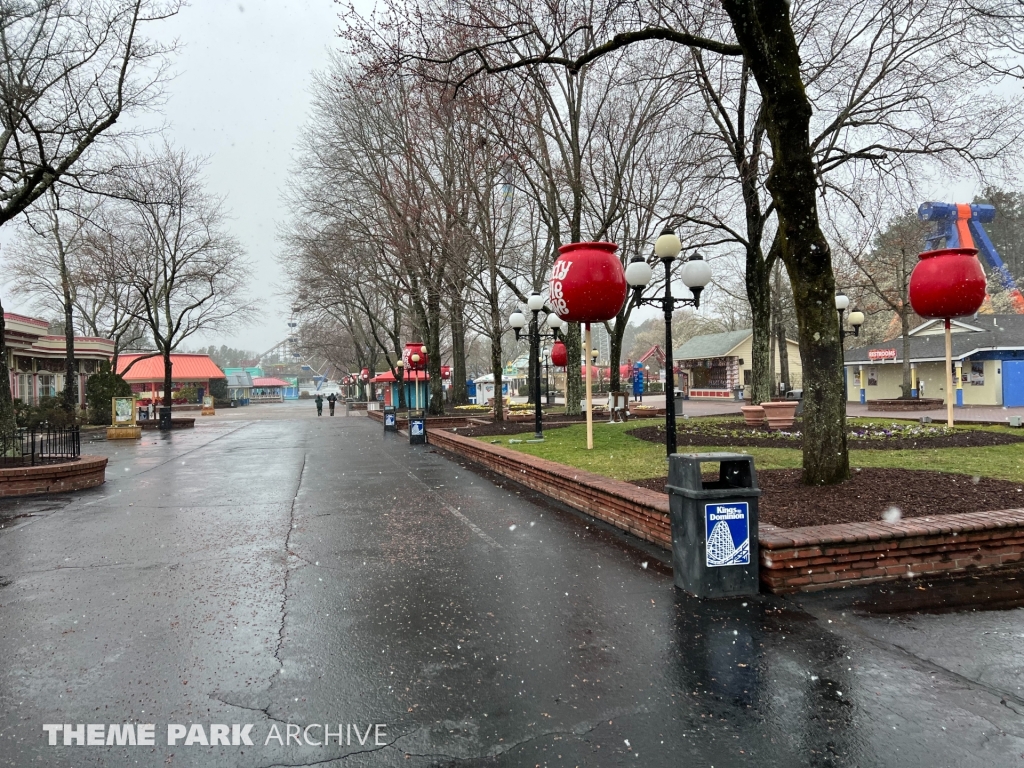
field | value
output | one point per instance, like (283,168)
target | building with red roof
(146,373)
(268,389)
(36,358)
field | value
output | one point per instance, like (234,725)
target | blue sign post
(727,527)
(638,381)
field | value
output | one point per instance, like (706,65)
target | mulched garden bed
(870,493)
(884,436)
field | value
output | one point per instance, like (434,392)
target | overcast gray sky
(241,97)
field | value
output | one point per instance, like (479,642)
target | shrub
(219,388)
(100,389)
(186,395)
(49,410)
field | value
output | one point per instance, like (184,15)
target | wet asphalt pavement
(303,571)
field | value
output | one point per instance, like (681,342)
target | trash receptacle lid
(736,471)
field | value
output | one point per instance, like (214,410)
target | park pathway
(305,571)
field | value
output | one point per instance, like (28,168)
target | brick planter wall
(825,556)
(642,512)
(792,559)
(87,472)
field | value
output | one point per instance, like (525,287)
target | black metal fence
(43,444)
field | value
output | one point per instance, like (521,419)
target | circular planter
(780,414)
(753,415)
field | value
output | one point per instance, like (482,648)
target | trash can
(714,524)
(390,418)
(798,395)
(679,403)
(417,428)
(165,417)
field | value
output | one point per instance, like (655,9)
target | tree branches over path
(841,92)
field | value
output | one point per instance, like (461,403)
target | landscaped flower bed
(882,435)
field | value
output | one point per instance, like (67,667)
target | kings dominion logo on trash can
(728,533)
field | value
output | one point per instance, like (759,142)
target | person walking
(331,400)
(319,400)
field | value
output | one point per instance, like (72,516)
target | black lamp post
(535,305)
(547,373)
(400,365)
(696,275)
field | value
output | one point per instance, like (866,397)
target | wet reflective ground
(305,571)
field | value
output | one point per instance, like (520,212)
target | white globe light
(696,272)
(856,318)
(555,322)
(535,302)
(517,320)
(667,245)
(638,272)
(842,302)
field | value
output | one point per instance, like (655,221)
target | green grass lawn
(618,455)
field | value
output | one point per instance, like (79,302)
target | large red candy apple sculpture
(948,283)
(588,285)
(559,354)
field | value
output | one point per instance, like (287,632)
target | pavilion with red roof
(146,374)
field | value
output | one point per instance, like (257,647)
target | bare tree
(499,36)
(68,70)
(189,272)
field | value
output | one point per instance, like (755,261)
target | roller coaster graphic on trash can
(728,533)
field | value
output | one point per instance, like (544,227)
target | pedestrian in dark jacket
(331,400)
(319,400)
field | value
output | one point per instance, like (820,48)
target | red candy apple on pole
(588,285)
(947,283)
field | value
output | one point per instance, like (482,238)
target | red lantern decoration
(365,374)
(415,356)
(446,372)
(588,284)
(559,354)
(947,283)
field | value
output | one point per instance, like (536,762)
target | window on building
(47,385)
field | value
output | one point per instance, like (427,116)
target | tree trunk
(436,405)
(459,395)
(7,422)
(764,32)
(573,380)
(497,368)
(780,328)
(615,354)
(759,297)
(168,378)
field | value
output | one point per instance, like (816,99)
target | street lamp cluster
(696,275)
(518,321)
(856,316)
